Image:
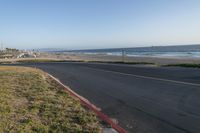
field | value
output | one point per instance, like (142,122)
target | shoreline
(128,59)
(101,58)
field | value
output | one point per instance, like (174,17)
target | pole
(1,46)
(123,55)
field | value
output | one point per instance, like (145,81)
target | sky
(91,24)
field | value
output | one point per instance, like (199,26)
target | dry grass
(29,103)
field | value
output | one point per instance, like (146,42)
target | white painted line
(147,77)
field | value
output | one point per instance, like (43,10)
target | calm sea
(155,51)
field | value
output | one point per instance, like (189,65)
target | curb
(91,106)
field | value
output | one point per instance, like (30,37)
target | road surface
(143,99)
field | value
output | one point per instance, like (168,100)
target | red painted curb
(91,107)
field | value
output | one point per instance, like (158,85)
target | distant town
(12,53)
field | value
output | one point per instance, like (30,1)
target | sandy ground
(111,58)
(156,60)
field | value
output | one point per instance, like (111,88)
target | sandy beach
(112,58)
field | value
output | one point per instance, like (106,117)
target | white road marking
(147,77)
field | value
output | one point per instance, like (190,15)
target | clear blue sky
(83,24)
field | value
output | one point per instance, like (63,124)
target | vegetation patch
(184,65)
(31,102)
(36,60)
(121,62)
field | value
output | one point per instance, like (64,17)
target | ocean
(154,51)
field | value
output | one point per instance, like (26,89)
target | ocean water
(148,54)
(155,51)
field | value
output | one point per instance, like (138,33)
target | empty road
(143,99)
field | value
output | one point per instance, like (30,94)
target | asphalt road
(143,99)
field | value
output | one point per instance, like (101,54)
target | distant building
(7,56)
(26,55)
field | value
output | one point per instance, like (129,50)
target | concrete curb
(90,106)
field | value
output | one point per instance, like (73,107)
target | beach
(114,58)
(44,57)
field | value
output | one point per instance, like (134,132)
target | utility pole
(123,55)
(1,46)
